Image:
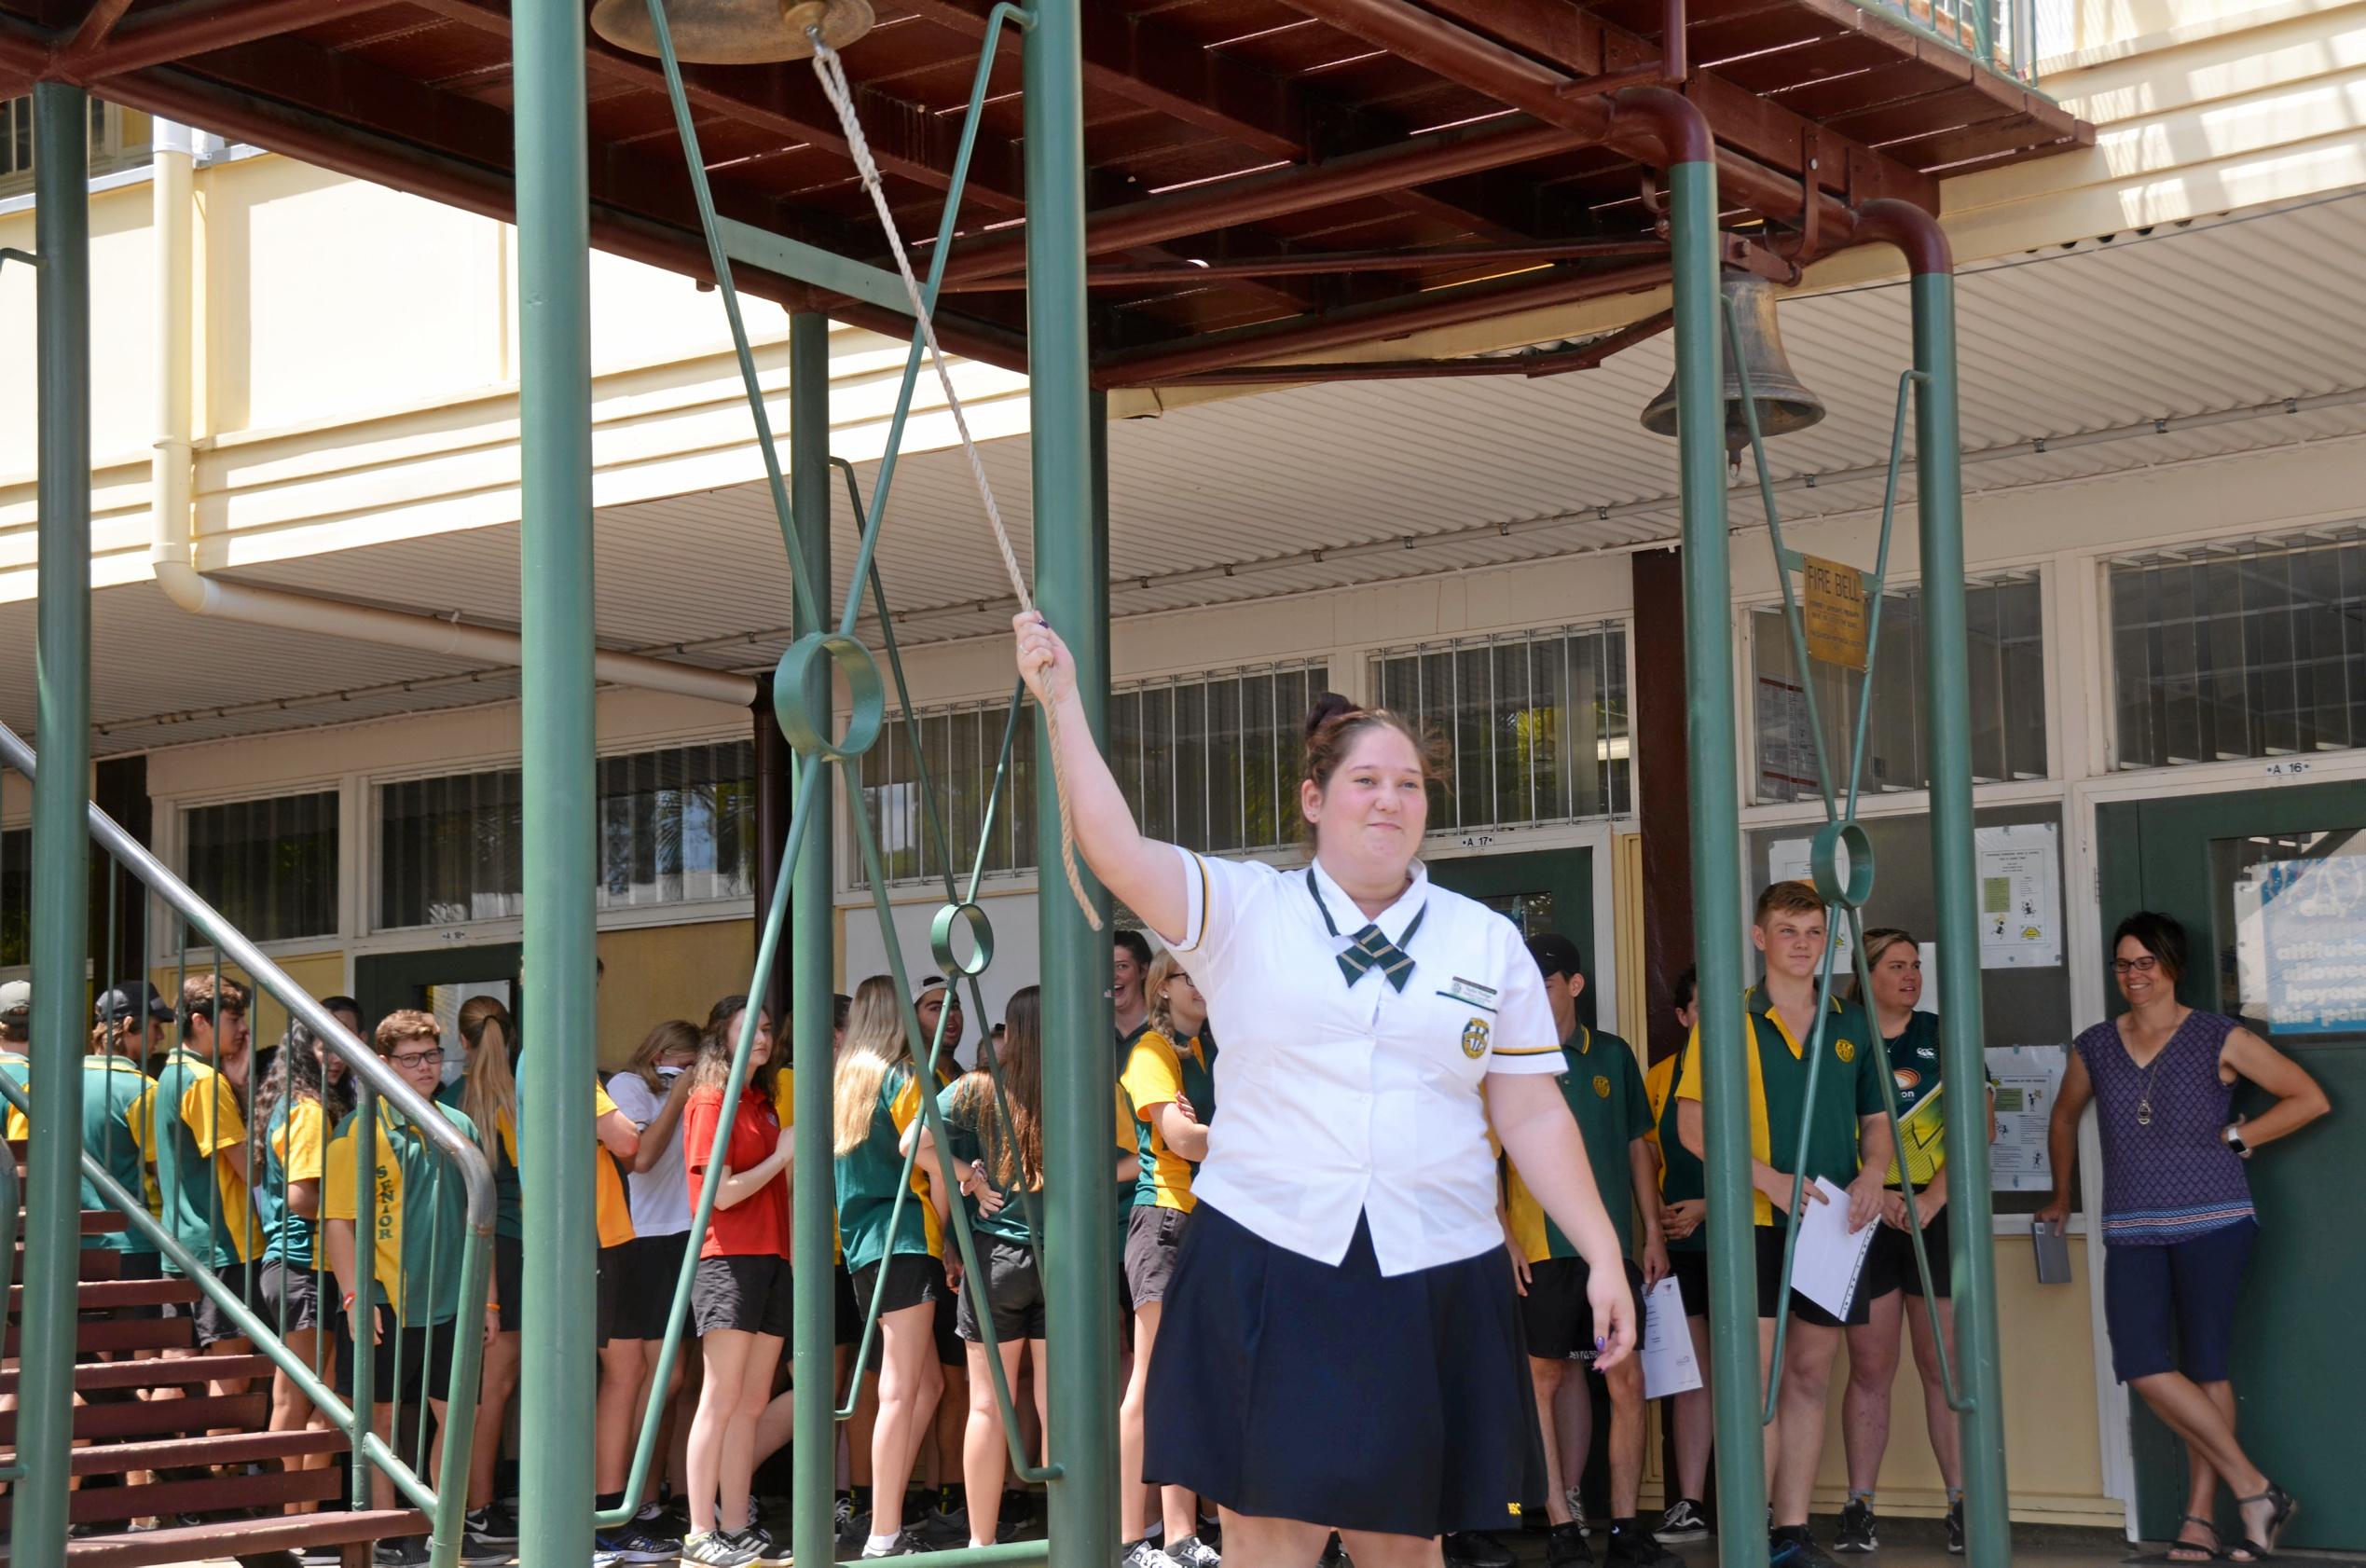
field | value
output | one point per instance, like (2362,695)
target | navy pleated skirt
(1285,1388)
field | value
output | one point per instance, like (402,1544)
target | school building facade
(2165,428)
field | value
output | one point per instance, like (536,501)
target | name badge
(1472,993)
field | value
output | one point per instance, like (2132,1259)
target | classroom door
(2264,882)
(1546,891)
(438,981)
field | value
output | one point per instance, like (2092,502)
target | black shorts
(652,1268)
(212,1324)
(425,1354)
(608,1285)
(1691,1271)
(946,1327)
(289,1288)
(913,1277)
(1770,1292)
(1556,1317)
(1889,1263)
(509,1280)
(748,1292)
(1015,1294)
(849,1311)
(1154,1236)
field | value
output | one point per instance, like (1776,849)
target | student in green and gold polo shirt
(1848,1143)
(1604,1089)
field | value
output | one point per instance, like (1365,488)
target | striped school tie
(1372,950)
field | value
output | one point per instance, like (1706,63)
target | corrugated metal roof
(2182,320)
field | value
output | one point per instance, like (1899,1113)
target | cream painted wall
(122,335)
(658,972)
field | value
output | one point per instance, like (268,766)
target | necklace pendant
(2144,1113)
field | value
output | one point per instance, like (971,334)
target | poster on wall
(2026,1078)
(2020,893)
(2301,944)
(1786,742)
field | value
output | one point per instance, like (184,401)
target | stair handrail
(446,1500)
(11,1196)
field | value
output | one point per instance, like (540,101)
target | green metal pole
(814,1461)
(1716,866)
(1079,1250)
(1939,503)
(61,844)
(559,1373)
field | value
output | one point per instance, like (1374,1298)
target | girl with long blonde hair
(486,1093)
(878,1092)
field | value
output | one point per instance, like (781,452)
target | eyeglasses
(420,1058)
(2145,965)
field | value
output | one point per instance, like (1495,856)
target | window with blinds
(1210,761)
(2006,647)
(269,865)
(2249,649)
(120,139)
(15,897)
(677,826)
(1536,723)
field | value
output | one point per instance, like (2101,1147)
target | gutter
(173,525)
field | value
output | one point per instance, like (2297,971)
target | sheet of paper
(1830,1257)
(2020,896)
(2027,1078)
(1667,1363)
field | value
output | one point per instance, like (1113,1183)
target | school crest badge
(1602,1087)
(1475,1039)
(1845,1050)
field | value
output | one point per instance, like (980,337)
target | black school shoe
(1475,1549)
(1856,1533)
(1565,1546)
(1684,1520)
(1632,1545)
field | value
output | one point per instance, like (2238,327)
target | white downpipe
(173,527)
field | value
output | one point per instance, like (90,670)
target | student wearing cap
(116,1087)
(1848,1144)
(1604,1090)
(1341,1346)
(1682,1207)
(16,1038)
(198,1142)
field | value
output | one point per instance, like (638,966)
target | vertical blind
(2255,649)
(2006,647)
(1536,723)
(269,865)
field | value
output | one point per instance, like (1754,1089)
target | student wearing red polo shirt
(739,1296)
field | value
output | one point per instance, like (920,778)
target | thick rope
(832,73)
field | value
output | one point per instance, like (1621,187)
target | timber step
(252,1537)
(92,1295)
(155,1372)
(267,1490)
(121,1333)
(95,1223)
(148,1418)
(233,1448)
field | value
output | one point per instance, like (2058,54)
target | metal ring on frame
(1823,860)
(980,934)
(808,732)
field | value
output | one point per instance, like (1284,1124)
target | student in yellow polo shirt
(1848,1144)
(418,1217)
(1604,1090)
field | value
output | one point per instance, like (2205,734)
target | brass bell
(734,32)
(1784,403)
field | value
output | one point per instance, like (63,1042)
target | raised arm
(658,1135)
(1141,872)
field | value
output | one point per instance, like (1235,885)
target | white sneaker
(1192,1552)
(1577,1511)
(1683,1521)
(1141,1554)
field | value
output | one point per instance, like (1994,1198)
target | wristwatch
(2233,1135)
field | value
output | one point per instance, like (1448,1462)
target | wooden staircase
(213,1483)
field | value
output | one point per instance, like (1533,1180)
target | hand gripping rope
(832,76)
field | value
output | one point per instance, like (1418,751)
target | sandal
(2282,1505)
(2183,1550)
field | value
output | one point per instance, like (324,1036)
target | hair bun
(1327,706)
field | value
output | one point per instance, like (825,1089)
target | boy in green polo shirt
(1848,1144)
(1605,1093)
(419,1217)
(197,1137)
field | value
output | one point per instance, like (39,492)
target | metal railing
(2000,33)
(116,1175)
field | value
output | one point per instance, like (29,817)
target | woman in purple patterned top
(2177,1224)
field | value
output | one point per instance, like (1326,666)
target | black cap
(117,1007)
(1555,955)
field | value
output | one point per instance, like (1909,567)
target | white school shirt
(661,1194)
(1342,1101)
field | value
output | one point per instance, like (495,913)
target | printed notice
(2301,944)
(1831,1256)
(2027,1077)
(2020,893)
(1667,1363)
